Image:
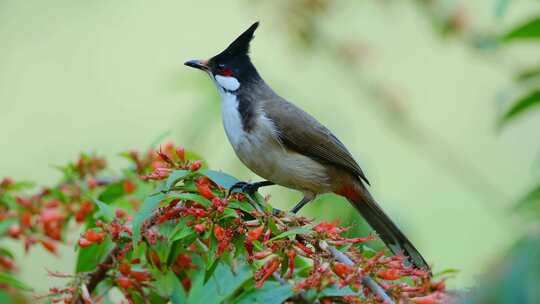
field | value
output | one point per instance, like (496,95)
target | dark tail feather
(390,234)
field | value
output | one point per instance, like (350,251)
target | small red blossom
(266,271)
(49,246)
(120,213)
(128,186)
(14,231)
(124,282)
(200,227)
(181,153)
(195,165)
(91,182)
(219,232)
(342,270)
(291,254)
(203,186)
(389,274)
(255,234)
(124,269)
(262,254)
(184,261)
(83,243)
(94,236)
(7,263)
(141,275)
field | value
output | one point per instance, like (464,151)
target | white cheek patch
(229,83)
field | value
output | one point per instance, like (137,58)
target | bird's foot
(249,188)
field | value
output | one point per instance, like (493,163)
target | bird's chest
(260,150)
(249,139)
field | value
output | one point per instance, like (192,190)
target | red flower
(120,213)
(83,243)
(389,274)
(203,186)
(186,282)
(200,227)
(7,262)
(14,231)
(266,271)
(49,246)
(184,261)
(26,219)
(291,254)
(304,248)
(195,165)
(93,236)
(219,232)
(433,298)
(262,254)
(181,153)
(92,182)
(124,282)
(124,269)
(141,275)
(342,270)
(255,234)
(128,186)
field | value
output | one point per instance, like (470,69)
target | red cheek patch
(226,72)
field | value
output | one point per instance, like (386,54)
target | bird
(286,146)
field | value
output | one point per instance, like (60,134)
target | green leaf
(149,204)
(295,231)
(106,211)
(530,200)
(525,31)
(113,192)
(445,272)
(175,177)
(5,224)
(220,286)
(168,286)
(336,291)
(180,231)
(89,257)
(248,208)
(6,252)
(190,197)
(528,74)
(7,278)
(523,104)
(223,179)
(270,293)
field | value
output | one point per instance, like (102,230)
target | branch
(367,280)
(99,274)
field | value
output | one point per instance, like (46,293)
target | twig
(99,274)
(367,280)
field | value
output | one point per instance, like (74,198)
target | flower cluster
(167,228)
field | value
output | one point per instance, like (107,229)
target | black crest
(240,46)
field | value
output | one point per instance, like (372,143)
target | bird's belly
(271,161)
(261,152)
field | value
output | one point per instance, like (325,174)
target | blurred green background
(413,89)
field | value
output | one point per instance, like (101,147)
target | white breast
(261,151)
(232,122)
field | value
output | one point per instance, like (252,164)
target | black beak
(198,64)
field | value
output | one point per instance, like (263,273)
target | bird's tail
(389,233)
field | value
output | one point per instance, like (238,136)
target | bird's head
(231,68)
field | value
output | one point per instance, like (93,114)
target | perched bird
(287,146)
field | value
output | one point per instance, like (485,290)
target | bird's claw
(244,187)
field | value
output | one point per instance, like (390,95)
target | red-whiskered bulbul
(287,146)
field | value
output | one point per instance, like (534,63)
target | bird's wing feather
(309,137)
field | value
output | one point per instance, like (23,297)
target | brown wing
(309,137)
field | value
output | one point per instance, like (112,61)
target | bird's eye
(223,70)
